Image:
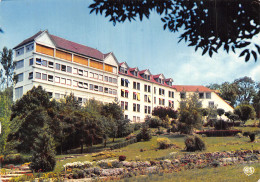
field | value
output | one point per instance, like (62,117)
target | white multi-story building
(62,67)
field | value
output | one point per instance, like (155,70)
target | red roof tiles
(191,88)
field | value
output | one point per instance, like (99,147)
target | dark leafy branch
(207,24)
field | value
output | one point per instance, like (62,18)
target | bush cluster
(194,143)
(144,134)
(163,143)
(16,159)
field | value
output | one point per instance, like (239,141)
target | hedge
(219,132)
(123,144)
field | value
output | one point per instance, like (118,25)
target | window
(19,51)
(80,84)
(38,61)
(19,64)
(68,81)
(149,88)
(114,92)
(50,65)
(138,119)
(63,80)
(138,107)
(126,105)
(38,75)
(57,96)
(171,103)
(171,94)
(18,92)
(91,75)
(201,95)
(208,95)
(145,109)
(31,61)
(50,78)
(154,100)
(149,99)
(91,86)
(183,95)
(85,73)
(100,77)
(134,107)
(96,76)
(20,77)
(44,76)
(69,69)
(126,116)
(106,78)
(110,79)
(149,109)
(95,87)
(106,90)
(114,80)
(57,66)
(75,71)
(75,83)
(211,104)
(80,100)
(100,89)
(122,105)
(154,90)
(110,91)
(145,88)
(80,72)
(50,94)
(85,86)
(134,96)
(29,47)
(138,86)
(44,63)
(134,118)
(122,82)
(63,68)
(57,79)
(30,76)
(161,91)
(145,98)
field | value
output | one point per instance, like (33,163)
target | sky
(141,44)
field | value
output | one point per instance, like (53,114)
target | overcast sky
(141,44)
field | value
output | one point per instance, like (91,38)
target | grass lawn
(223,174)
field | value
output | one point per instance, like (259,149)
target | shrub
(144,134)
(221,125)
(252,137)
(16,159)
(122,158)
(163,143)
(239,135)
(245,112)
(194,143)
(137,126)
(154,122)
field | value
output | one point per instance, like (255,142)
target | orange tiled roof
(191,88)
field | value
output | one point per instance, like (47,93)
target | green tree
(8,65)
(246,89)
(256,103)
(206,25)
(190,114)
(220,112)
(43,151)
(163,112)
(5,113)
(245,112)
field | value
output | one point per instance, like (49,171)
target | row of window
(202,95)
(28,48)
(74,83)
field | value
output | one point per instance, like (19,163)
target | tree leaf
(247,57)
(243,52)
(255,55)
(205,50)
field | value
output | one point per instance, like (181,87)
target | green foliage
(204,111)
(220,111)
(256,103)
(163,112)
(245,89)
(8,65)
(163,143)
(194,143)
(231,30)
(221,125)
(245,112)
(189,114)
(5,113)
(43,151)
(154,122)
(16,159)
(144,134)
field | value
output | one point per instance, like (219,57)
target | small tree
(163,112)
(43,152)
(8,65)
(245,112)
(220,112)
(189,114)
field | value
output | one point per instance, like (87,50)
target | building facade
(62,67)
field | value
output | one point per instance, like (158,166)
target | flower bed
(219,132)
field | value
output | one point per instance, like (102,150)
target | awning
(170,101)
(122,79)
(138,96)
(123,90)
(135,93)
(149,98)
(126,91)
(127,80)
